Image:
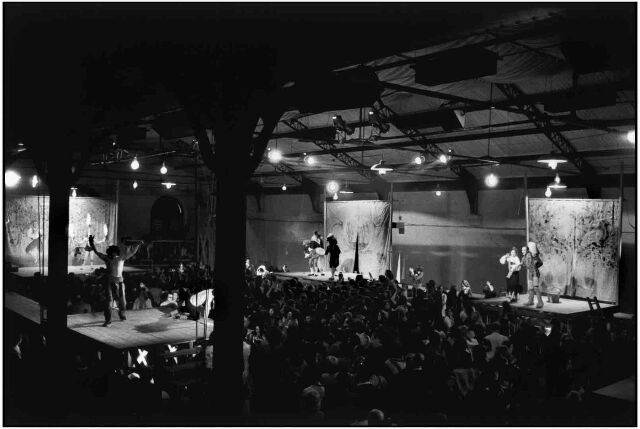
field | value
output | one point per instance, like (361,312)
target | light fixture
(34,181)
(491,180)
(163,169)
(168,185)
(438,191)
(284,187)
(381,168)
(74,193)
(274,155)
(552,160)
(557,183)
(340,125)
(11,178)
(135,164)
(443,158)
(547,193)
(631,136)
(346,190)
(333,187)
(419,160)
(335,197)
(310,160)
(377,121)
(135,184)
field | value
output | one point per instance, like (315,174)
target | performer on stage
(513,276)
(334,253)
(533,262)
(114,283)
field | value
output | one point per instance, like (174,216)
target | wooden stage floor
(79,270)
(305,276)
(567,307)
(142,327)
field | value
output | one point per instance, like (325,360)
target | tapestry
(26,234)
(579,241)
(366,223)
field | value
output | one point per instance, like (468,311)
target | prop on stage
(365,224)
(580,244)
(27,229)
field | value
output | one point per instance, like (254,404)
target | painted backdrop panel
(369,221)
(27,229)
(579,241)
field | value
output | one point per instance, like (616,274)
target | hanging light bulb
(335,197)
(163,169)
(310,160)
(274,155)
(419,160)
(168,185)
(34,181)
(438,191)
(333,187)
(135,184)
(631,136)
(284,187)
(553,160)
(135,164)
(491,180)
(74,194)
(11,178)
(557,183)
(547,193)
(443,158)
(381,168)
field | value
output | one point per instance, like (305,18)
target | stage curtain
(366,223)
(579,241)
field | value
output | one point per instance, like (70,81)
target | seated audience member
(465,290)
(170,301)
(142,301)
(495,338)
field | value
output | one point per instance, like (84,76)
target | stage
(306,277)
(78,270)
(566,308)
(142,328)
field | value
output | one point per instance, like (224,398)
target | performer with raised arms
(513,275)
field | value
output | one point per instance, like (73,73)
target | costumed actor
(513,276)
(114,286)
(334,254)
(533,262)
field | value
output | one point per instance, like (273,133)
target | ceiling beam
(542,122)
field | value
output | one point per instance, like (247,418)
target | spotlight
(11,178)
(553,160)
(274,155)
(335,197)
(135,164)
(333,187)
(74,194)
(284,187)
(419,160)
(491,180)
(163,169)
(34,181)
(340,125)
(547,193)
(309,160)
(377,121)
(168,185)
(135,184)
(443,158)
(631,136)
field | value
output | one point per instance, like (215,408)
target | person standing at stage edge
(334,254)
(114,282)
(533,262)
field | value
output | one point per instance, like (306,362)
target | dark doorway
(167,219)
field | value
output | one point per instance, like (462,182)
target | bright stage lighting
(163,169)
(11,178)
(443,158)
(135,164)
(74,192)
(34,181)
(310,160)
(168,185)
(547,193)
(491,180)
(274,155)
(553,160)
(284,187)
(557,183)
(333,187)
(631,136)
(335,197)
(135,184)
(419,160)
